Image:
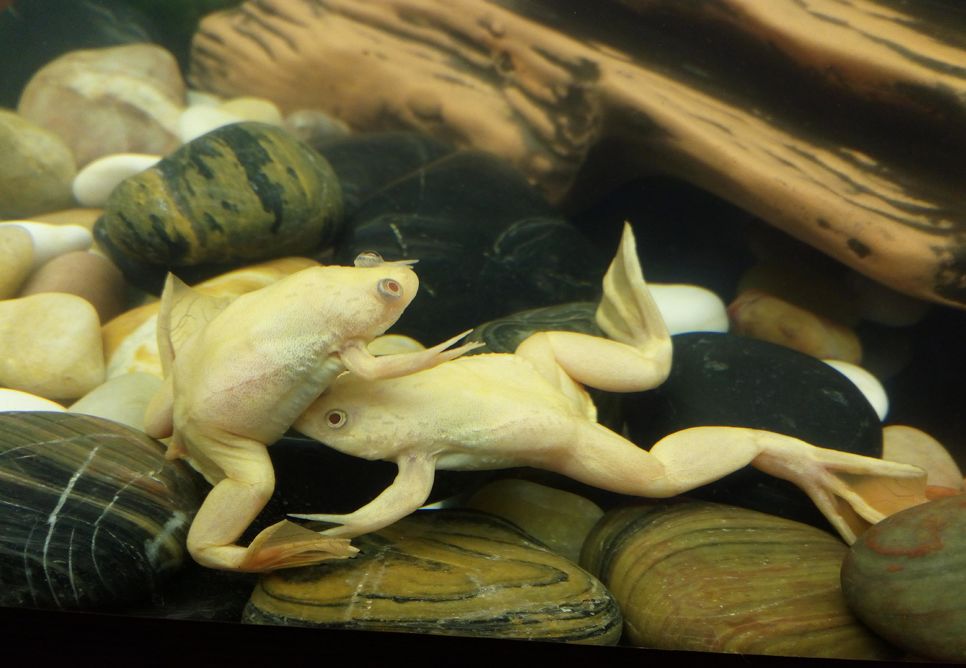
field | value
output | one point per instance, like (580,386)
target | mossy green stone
(906,579)
(243,192)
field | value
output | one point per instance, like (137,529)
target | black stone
(726,380)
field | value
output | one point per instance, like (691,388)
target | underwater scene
(636,323)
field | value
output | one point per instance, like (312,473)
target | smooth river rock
(91,514)
(16,259)
(906,579)
(88,275)
(36,171)
(444,573)
(707,577)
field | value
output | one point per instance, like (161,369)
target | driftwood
(842,123)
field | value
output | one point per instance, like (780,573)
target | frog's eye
(336,418)
(389,287)
(368,259)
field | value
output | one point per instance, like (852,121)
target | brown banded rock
(545,84)
(444,573)
(119,99)
(707,577)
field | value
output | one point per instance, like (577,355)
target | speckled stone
(707,577)
(444,573)
(91,514)
(36,171)
(122,99)
(906,579)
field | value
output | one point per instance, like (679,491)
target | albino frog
(239,372)
(529,409)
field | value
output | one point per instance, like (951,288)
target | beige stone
(15,400)
(121,99)
(123,399)
(16,259)
(36,168)
(85,217)
(85,274)
(51,345)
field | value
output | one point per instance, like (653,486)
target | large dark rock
(726,380)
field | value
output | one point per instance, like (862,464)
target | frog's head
(369,297)
(364,418)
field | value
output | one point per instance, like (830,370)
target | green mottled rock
(244,192)
(707,577)
(906,578)
(36,169)
(445,573)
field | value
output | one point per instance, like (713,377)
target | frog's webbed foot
(288,545)
(852,491)
(361,362)
(408,491)
(637,354)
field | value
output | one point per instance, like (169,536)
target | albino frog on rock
(239,372)
(529,409)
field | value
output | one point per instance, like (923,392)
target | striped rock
(707,577)
(444,573)
(91,515)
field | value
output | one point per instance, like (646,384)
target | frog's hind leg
(235,501)
(637,354)
(851,491)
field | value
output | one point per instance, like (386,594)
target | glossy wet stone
(906,579)
(36,171)
(91,515)
(708,577)
(726,380)
(446,573)
(242,193)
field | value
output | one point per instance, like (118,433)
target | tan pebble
(560,520)
(51,345)
(16,259)
(36,168)
(85,217)
(763,316)
(197,121)
(120,99)
(123,399)
(15,400)
(49,241)
(312,126)
(130,339)
(85,274)
(254,109)
(908,445)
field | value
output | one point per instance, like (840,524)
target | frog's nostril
(336,418)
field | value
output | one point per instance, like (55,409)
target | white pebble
(122,399)
(200,120)
(198,98)
(868,385)
(15,400)
(690,308)
(253,109)
(95,182)
(53,240)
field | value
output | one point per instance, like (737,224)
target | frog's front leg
(851,491)
(235,501)
(357,358)
(408,491)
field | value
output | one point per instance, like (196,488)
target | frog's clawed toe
(288,545)
(853,492)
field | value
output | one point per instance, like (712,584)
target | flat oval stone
(123,99)
(36,171)
(91,514)
(726,380)
(906,579)
(444,573)
(707,577)
(88,275)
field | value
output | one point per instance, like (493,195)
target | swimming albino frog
(528,409)
(239,372)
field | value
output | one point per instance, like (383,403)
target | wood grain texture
(542,84)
